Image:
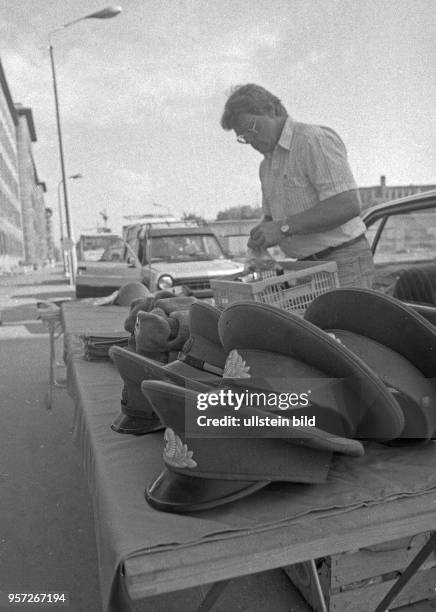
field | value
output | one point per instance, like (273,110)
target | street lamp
(106,13)
(61,221)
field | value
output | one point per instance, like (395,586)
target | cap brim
(179,373)
(126,424)
(408,385)
(380,317)
(173,492)
(135,368)
(164,397)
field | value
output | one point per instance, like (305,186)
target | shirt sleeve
(325,163)
(266,208)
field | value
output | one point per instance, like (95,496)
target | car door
(402,240)
(117,266)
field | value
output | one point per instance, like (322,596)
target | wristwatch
(286,229)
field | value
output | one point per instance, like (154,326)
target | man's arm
(326,215)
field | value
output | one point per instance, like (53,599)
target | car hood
(187,269)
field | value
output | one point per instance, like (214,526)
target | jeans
(355,264)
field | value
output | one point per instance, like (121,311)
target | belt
(329,250)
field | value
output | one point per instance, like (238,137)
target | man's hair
(252,99)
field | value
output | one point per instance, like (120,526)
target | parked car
(402,234)
(161,258)
(115,265)
(91,245)
(173,257)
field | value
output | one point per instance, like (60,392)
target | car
(102,274)
(188,257)
(402,235)
(92,244)
(180,259)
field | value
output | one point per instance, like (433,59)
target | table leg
(408,573)
(212,596)
(51,318)
(318,586)
(52,359)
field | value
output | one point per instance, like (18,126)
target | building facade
(11,233)
(31,192)
(383,193)
(52,256)
(24,235)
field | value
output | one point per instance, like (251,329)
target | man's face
(259,131)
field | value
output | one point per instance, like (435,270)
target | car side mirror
(131,262)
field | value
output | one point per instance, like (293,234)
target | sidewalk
(20,293)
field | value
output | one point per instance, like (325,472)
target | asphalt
(47,540)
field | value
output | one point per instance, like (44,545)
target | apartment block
(11,233)
(24,237)
(31,191)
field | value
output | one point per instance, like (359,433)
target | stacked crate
(357,581)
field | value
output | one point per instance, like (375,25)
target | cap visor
(126,424)
(180,374)
(173,492)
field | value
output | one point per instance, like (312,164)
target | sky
(141,95)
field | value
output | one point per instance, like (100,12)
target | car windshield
(197,247)
(115,251)
(93,247)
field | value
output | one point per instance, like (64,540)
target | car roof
(417,200)
(99,235)
(181,231)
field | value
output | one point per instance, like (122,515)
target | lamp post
(106,13)
(61,221)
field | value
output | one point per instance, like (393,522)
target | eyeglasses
(247,137)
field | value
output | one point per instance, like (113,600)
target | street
(47,540)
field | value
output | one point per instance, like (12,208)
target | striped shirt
(308,165)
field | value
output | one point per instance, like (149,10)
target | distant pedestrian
(310,199)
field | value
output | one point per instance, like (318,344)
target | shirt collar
(286,135)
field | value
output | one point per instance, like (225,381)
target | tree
(240,212)
(193,218)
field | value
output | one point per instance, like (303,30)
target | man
(310,199)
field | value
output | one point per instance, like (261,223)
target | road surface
(47,540)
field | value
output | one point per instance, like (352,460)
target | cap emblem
(175,452)
(137,326)
(235,366)
(334,337)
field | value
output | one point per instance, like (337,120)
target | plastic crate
(294,290)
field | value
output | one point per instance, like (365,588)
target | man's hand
(265,235)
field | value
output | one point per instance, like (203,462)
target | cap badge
(175,452)
(334,337)
(137,326)
(235,366)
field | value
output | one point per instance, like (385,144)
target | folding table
(388,494)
